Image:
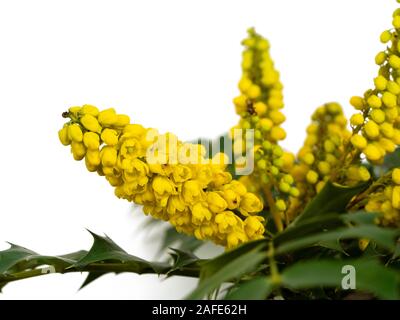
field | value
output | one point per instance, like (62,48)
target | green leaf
(255,289)
(333,198)
(236,266)
(91,277)
(212,266)
(106,250)
(370,276)
(10,257)
(383,237)
(183,259)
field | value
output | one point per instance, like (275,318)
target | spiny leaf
(370,276)
(183,259)
(106,250)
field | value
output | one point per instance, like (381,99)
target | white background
(173,65)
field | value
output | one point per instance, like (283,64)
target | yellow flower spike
(64,136)
(89,109)
(75,133)
(109,136)
(396,22)
(396,176)
(78,150)
(108,117)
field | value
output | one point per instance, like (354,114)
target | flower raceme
(259,107)
(172,180)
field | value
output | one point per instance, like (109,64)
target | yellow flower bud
(387,129)
(260,108)
(64,136)
(78,150)
(277,117)
(254,91)
(357,102)
(244,84)
(108,117)
(312,177)
(122,120)
(324,168)
(371,129)
(89,109)
(394,61)
(386,36)
(393,87)
(91,140)
(91,123)
(240,103)
(377,115)
(372,152)
(364,173)
(356,119)
(396,197)
(280,205)
(93,157)
(329,146)
(109,136)
(108,156)
(374,101)
(396,22)
(380,58)
(278,133)
(389,99)
(358,141)
(380,83)
(396,176)
(75,133)
(308,158)
(266,124)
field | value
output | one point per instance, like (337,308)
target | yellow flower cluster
(386,200)
(174,181)
(376,127)
(321,156)
(259,105)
